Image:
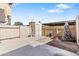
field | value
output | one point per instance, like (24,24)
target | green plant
(18,23)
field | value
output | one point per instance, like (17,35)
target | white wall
(77,28)
(38,30)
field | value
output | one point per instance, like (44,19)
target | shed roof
(71,22)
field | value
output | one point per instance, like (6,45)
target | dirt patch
(70,46)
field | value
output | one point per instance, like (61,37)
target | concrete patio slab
(43,50)
(12,44)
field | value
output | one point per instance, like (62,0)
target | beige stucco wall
(7,10)
(9,32)
(25,31)
(6,7)
(32,26)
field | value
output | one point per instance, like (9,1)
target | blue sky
(44,12)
